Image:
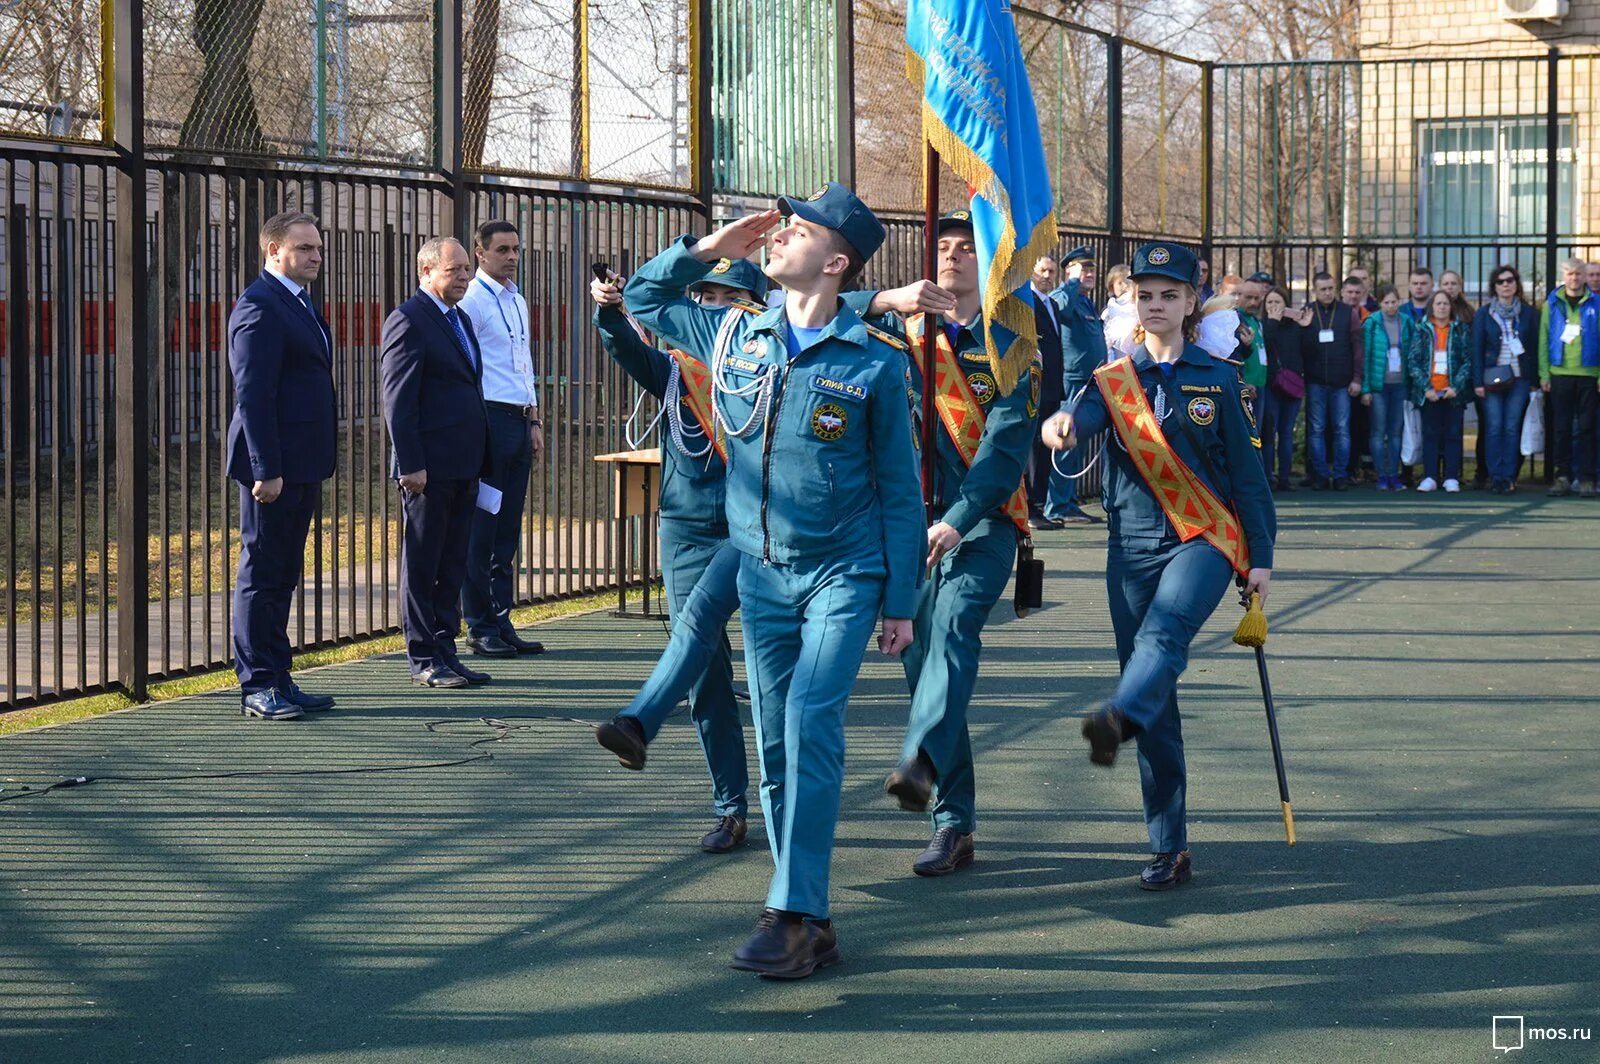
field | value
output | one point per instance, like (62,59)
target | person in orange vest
(1189,508)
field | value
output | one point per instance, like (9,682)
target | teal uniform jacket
(692,489)
(804,489)
(1083,335)
(1211,401)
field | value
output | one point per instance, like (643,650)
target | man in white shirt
(499,316)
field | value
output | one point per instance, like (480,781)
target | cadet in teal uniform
(694,548)
(972,546)
(1083,350)
(823,506)
(1162,590)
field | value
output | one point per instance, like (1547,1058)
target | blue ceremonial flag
(977,111)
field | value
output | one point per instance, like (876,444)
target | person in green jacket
(1388,335)
(1569,373)
(1441,365)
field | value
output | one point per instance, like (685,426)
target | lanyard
(513,337)
(1333,312)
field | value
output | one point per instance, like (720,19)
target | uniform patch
(743,364)
(1035,384)
(1249,415)
(982,386)
(1204,389)
(845,389)
(1159,257)
(976,356)
(722,266)
(829,421)
(961,216)
(1202,411)
(818,194)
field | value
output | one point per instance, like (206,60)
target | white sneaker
(1452,486)
(1429,485)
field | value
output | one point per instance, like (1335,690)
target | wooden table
(636,481)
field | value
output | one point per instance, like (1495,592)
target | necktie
(461,335)
(305,299)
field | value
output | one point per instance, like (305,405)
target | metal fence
(141,144)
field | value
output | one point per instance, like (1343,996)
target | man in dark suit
(433,403)
(1046,276)
(280,450)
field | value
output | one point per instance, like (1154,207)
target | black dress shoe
(1166,871)
(305,699)
(521,645)
(726,837)
(947,851)
(786,945)
(471,675)
(911,783)
(269,705)
(623,736)
(1104,730)
(1285,484)
(1043,524)
(491,646)
(438,676)
(1341,484)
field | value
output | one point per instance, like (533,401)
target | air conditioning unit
(1534,10)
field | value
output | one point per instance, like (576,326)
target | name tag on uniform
(1570,333)
(1394,360)
(1515,345)
(1325,336)
(843,389)
(743,365)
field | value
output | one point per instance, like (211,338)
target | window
(1483,180)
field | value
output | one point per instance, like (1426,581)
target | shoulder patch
(888,338)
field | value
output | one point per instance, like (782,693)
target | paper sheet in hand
(489,498)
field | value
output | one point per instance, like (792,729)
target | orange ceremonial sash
(959,410)
(1184,497)
(694,389)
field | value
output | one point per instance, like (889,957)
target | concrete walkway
(1434,661)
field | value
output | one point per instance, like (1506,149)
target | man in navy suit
(1040,464)
(433,403)
(280,450)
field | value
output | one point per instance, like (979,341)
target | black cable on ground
(503,728)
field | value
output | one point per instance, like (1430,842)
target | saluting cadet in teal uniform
(1083,350)
(1163,583)
(694,549)
(972,545)
(824,509)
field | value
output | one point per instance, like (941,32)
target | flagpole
(930,271)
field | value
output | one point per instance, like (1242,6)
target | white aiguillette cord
(1090,460)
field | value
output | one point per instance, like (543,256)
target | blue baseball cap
(1081,253)
(736,273)
(961,219)
(835,207)
(1172,261)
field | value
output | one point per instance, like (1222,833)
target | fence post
(1552,168)
(447,89)
(1114,221)
(844,69)
(702,133)
(1207,75)
(135,351)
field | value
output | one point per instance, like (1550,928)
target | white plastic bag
(1533,426)
(1411,437)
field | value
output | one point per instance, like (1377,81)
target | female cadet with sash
(1180,426)
(695,553)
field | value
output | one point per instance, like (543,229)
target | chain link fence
(51,69)
(312,79)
